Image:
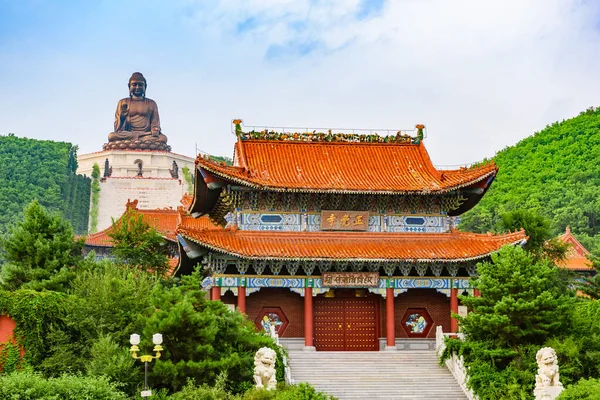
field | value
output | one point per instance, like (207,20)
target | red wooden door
(346,324)
(361,318)
(329,324)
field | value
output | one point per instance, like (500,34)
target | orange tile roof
(576,254)
(348,167)
(451,246)
(197,224)
(163,220)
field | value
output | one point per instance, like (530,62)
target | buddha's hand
(155,131)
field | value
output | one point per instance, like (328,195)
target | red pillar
(241,299)
(216,293)
(454,309)
(390,331)
(476,293)
(308,317)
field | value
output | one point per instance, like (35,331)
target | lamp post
(135,341)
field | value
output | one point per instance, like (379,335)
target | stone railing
(286,365)
(455,363)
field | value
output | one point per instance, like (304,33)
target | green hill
(44,170)
(555,172)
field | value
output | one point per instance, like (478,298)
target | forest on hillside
(555,173)
(43,170)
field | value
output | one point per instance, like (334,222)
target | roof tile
(451,246)
(343,167)
(163,220)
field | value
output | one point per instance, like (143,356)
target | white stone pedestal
(155,188)
(548,393)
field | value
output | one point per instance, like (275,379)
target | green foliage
(43,170)
(105,300)
(220,159)
(40,251)
(202,339)
(524,302)
(579,349)
(302,391)
(188,179)
(10,356)
(582,390)
(205,392)
(36,314)
(520,301)
(110,359)
(116,299)
(63,332)
(137,244)
(554,173)
(540,242)
(28,385)
(590,285)
(95,198)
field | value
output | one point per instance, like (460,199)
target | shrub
(302,391)
(582,390)
(27,385)
(114,362)
(192,392)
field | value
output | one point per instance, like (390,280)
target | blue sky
(480,74)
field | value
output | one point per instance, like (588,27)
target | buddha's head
(137,85)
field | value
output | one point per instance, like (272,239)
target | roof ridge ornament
(313,135)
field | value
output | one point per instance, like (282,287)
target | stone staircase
(376,375)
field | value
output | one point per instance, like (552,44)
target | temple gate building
(342,241)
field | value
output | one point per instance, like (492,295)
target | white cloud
(481,74)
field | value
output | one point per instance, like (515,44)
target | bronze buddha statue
(137,123)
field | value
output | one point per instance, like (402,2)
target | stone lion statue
(547,384)
(264,368)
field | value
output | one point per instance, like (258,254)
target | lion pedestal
(264,368)
(547,384)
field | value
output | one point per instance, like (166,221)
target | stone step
(376,375)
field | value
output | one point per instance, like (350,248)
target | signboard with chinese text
(344,220)
(350,279)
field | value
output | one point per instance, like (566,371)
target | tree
(43,170)
(553,172)
(578,349)
(523,303)
(540,242)
(591,285)
(40,251)
(202,339)
(520,301)
(137,244)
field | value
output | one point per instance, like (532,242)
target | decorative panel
(417,322)
(417,223)
(271,316)
(271,221)
(315,282)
